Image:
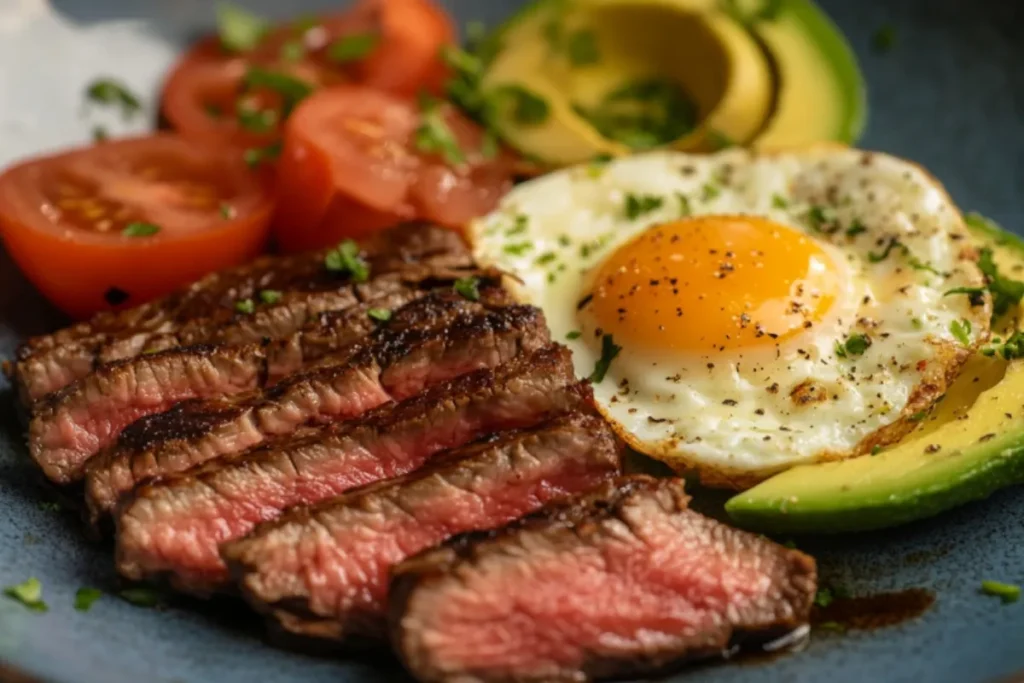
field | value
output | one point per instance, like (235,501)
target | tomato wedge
(356,159)
(121,222)
(206,96)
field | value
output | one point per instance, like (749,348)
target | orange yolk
(713,283)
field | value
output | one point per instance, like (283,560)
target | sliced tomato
(205,91)
(351,146)
(125,221)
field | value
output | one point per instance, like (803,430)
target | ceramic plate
(948,94)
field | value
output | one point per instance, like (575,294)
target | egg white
(741,416)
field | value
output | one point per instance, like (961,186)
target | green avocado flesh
(970,446)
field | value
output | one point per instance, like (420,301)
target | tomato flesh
(67,220)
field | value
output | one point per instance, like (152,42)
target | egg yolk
(713,284)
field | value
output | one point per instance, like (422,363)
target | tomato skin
(76,269)
(408,59)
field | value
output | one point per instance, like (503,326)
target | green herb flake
(564,241)
(345,259)
(239,30)
(685,208)
(855,345)
(876,449)
(546,258)
(855,228)
(85,597)
(352,48)
(489,145)
(884,254)
(884,39)
(709,192)
(916,323)
(1011,349)
(822,219)
(609,350)
(598,165)
(255,120)
(270,296)
(50,506)
(29,593)
(831,626)
(638,205)
(779,202)
(468,288)
(293,51)
(961,331)
(528,108)
(254,156)
(227,212)
(247,306)
(433,136)
(519,225)
(574,334)
(642,114)
(824,597)
(1007,592)
(1006,292)
(142,596)
(291,89)
(518,249)
(918,416)
(581,48)
(140,229)
(975,295)
(719,140)
(381,315)
(100,134)
(109,92)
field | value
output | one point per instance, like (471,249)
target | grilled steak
(450,336)
(75,423)
(174,528)
(322,572)
(626,582)
(45,367)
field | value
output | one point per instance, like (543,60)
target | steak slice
(625,582)
(173,528)
(72,425)
(48,369)
(447,336)
(323,571)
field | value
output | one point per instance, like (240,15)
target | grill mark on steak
(322,572)
(625,582)
(405,243)
(431,340)
(173,529)
(50,369)
(73,424)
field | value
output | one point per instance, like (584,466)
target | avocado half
(971,445)
(762,73)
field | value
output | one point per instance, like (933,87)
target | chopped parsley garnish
(239,30)
(352,48)
(881,256)
(822,219)
(918,264)
(489,146)
(1010,349)
(824,597)
(254,156)
(468,288)
(100,134)
(291,89)
(109,92)
(779,202)
(381,315)
(918,416)
(719,140)
(528,108)
(346,260)
(255,120)
(574,334)
(961,331)
(916,323)
(270,296)
(29,593)
(140,229)
(876,449)
(609,350)
(434,136)
(293,51)
(245,306)
(855,345)
(581,48)
(855,228)
(709,192)
(642,114)
(546,258)
(884,39)
(975,295)
(227,212)
(50,506)
(522,221)
(141,596)
(596,168)
(638,205)
(518,249)
(684,205)
(85,597)
(1006,292)
(1007,592)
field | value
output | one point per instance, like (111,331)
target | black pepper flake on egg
(656,420)
(711,366)
(728,402)
(986,437)
(584,301)
(932,448)
(774,388)
(759,411)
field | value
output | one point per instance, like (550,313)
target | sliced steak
(72,425)
(49,368)
(174,528)
(323,571)
(624,583)
(445,336)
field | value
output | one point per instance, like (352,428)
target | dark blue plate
(949,94)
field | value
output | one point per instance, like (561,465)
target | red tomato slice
(353,146)
(125,221)
(203,93)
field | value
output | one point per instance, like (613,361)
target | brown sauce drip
(872,611)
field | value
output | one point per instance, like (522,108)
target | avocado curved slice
(971,446)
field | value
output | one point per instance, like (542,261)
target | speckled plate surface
(949,94)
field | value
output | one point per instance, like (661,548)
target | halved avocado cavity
(577,79)
(970,446)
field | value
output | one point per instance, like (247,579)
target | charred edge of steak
(565,455)
(405,243)
(153,521)
(608,515)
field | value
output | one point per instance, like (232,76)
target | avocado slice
(972,445)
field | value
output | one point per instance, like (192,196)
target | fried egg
(742,313)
